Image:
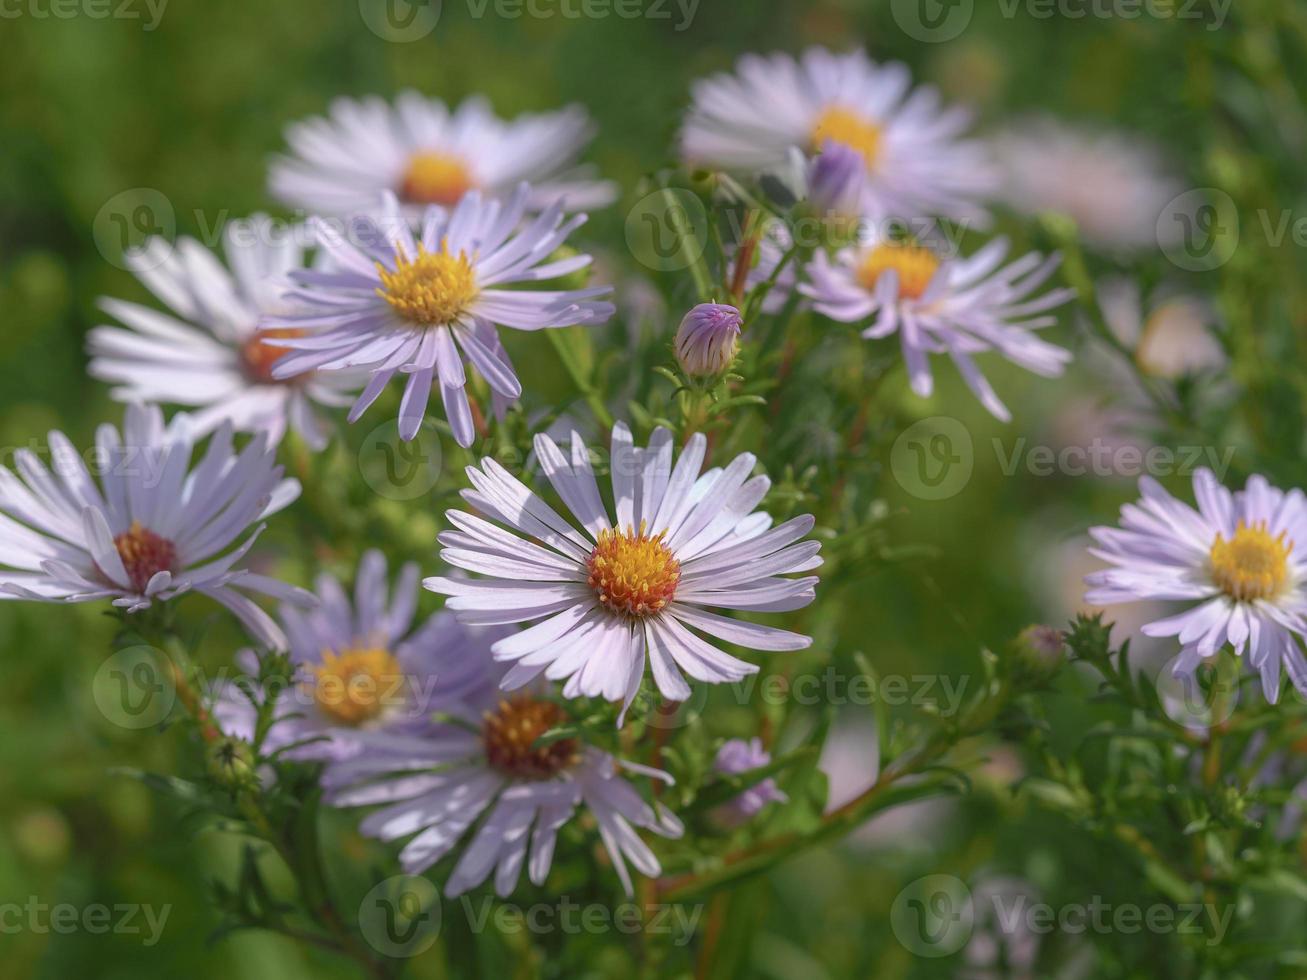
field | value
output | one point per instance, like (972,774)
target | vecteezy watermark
(64,918)
(933,916)
(404,21)
(400,21)
(1199,230)
(130,219)
(400,916)
(667,230)
(134,688)
(934,459)
(400,469)
(1198,696)
(1211,12)
(932,21)
(150,12)
(571,918)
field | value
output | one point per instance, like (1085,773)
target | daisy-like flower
(400,304)
(618,590)
(1113,185)
(361,666)
(488,767)
(955,306)
(150,528)
(738,755)
(1239,557)
(916,163)
(211,354)
(423,153)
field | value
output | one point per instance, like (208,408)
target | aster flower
(211,354)
(707,339)
(1171,335)
(1113,185)
(396,304)
(738,755)
(916,165)
(955,306)
(1237,560)
(150,528)
(608,595)
(424,153)
(360,666)
(487,768)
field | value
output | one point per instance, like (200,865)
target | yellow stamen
(1252,564)
(432,288)
(849,128)
(435,178)
(510,732)
(915,265)
(356,685)
(632,573)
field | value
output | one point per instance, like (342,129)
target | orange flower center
(435,178)
(510,732)
(432,288)
(1252,564)
(355,686)
(845,126)
(258,357)
(144,554)
(633,574)
(915,265)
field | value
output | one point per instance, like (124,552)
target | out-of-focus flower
(836,180)
(214,357)
(624,588)
(739,755)
(1236,556)
(437,784)
(1173,339)
(151,528)
(916,164)
(424,153)
(1113,185)
(399,305)
(958,306)
(707,339)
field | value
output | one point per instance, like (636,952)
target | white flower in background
(1112,184)
(210,355)
(619,590)
(150,527)
(937,305)
(421,151)
(1172,336)
(916,162)
(488,768)
(1238,560)
(398,305)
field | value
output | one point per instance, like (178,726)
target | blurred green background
(92,107)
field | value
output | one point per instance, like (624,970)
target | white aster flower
(955,306)
(1113,185)
(1239,556)
(916,163)
(487,769)
(620,589)
(394,304)
(424,153)
(150,528)
(211,355)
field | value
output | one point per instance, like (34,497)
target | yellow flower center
(435,178)
(258,357)
(849,128)
(1252,564)
(915,265)
(510,732)
(144,554)
(356,685)
(633,574)
(432,288)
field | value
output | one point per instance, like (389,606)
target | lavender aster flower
(707,339)
(400,305)
(150,528)
(737,755)
(836,179)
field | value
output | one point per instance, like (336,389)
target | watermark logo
(933,916)
(933,459)
(400,917)
(148,12)
(1199,230)
(128,220)
(400,21)
(134,688)
(932,21)
(667,231)
(1198,698)
(63,919)
(397,469)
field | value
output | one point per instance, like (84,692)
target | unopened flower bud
(836,178)
(1038,653)
(707,339)
(231,763)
